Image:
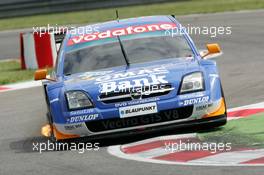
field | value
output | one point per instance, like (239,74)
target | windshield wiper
(123,51)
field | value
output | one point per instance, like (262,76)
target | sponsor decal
(200,108)
(120,32)
(135,102)
(72,127)
(135,86)
(88,76)
(82,118)
(136,110)
(136,121)
(192,95)
(92,75)
(132,74)
(193,101)
(112,83)
(203,107)
(80,112)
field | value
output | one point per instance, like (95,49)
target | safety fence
(12,8)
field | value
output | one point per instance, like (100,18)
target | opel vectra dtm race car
(131,76)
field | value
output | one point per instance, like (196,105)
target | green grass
(242,132)
(89,16)
(10,72)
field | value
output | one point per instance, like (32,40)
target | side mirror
(40,74)
(212,49)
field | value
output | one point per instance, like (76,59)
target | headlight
(77,100)
(192,83)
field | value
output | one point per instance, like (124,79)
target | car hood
(169,71)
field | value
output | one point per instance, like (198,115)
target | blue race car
(131,76)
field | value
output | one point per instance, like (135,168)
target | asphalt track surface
(23,111)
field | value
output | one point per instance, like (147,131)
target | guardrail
(13,8)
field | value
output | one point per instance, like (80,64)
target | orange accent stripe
(219,111)
(60,136)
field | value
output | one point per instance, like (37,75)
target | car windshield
(137,50)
